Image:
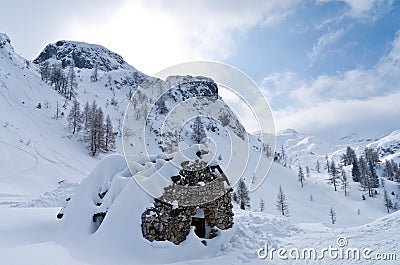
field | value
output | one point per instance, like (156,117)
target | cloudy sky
(328,67)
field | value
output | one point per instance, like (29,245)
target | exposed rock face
(82,55)
(4,40)
(165,221)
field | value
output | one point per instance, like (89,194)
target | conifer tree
(85,116)
(327,166)
(388,170)
(109,141)
(388,202)
(243,195)
(72,84)
(308,174)
(198,130)
(345,181)
(333,175)
(75,117)
(281,203)
(301,176)
(355,171)
(332,215)
(262,205)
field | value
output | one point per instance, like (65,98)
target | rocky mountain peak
(82,55)
(5,42)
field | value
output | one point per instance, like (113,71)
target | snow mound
(54,198)
(111,188)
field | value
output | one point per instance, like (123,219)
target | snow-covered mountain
(38,152)
(305,150)
(302,149)
(389,146)
(83,55)
(42,163)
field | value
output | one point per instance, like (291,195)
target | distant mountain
(305,150)
(389,146)
(302,149)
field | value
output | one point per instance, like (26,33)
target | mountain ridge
(83,55)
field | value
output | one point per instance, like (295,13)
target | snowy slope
(76,239)
(36,150)
(304,210)
(31,232)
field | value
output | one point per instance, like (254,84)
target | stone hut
(199,196)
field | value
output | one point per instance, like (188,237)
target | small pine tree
(262,205)
(363,174)
(109,141)
(355,171)
(129,94)
(75,117)
(100,139)
(243,195)
(308,174)
(345,181)
(57,115)
(388,202)
(283,157)
(86,116)
(162,106)
(235,197)
(397,176)
(198,131)
(374,179)
(45,71)
(349,157)
(388,170)
(333,175)
(327,164)
(95,131)
(332,215)
(318,167)
(301,176)
(72,84)
(281,203)
(94,75)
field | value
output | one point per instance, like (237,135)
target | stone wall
(196,187)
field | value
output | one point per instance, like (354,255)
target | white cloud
(335,118)
(155,34)
(382,78)
(394,54)
(361,100)
(364,8)
(323,43)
